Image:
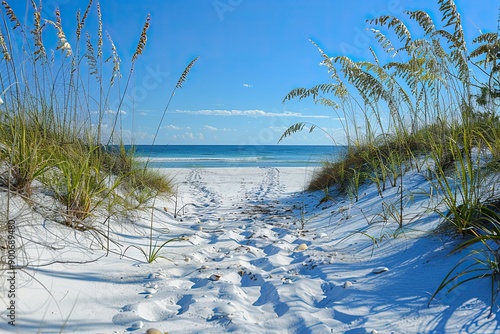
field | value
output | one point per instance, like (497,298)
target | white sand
(241,270)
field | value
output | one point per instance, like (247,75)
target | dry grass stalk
(81,22)
(63,42)
(10,13)
(185,73)
(116,61)
(5,50)
(99,31)
(142,41)
(37,33)
(93,69)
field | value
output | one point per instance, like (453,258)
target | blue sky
(252,53)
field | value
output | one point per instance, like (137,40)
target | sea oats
(116,61)
(81,23)
(37,33)
(5,51)
(99,31)
(142,41)
(62,41)
(185,73)
(11,14)
(93,69)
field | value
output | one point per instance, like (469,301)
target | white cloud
(248,112)
(193,136)
(213,128)
(113,112)
(247,85)
(175,127)
(145,112)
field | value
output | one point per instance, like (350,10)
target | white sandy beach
(245,267)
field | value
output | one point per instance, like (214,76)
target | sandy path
(242,269)
(245,253)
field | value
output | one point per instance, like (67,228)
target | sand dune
(261,257)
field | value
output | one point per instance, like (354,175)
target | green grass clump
(53,134)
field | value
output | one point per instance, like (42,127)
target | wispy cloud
(250,112)
(190,136)
(247,85)
(209,127)
(113,112)
(175,127)
(213,128)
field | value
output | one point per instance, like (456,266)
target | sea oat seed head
(142,41)
(11,14)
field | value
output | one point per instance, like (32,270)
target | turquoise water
(212,156)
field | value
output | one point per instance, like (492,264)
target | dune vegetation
(423,103)
(59,133)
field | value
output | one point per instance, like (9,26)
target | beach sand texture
(262,256)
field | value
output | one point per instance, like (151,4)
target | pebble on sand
(301,247)
(154,331)
(347,284)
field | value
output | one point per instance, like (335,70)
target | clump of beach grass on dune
(419,107)
(53,134)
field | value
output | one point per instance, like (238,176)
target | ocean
(213,156)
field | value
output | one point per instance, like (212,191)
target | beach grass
(55,135)
(422,109)
(438,123)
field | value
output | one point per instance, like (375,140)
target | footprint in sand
(332,295)
(268,292)
(151,310)
(185,303)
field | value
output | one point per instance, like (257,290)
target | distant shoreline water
(213,156)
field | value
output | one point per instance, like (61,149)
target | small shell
(301,247)
(380,270)
(215,277)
